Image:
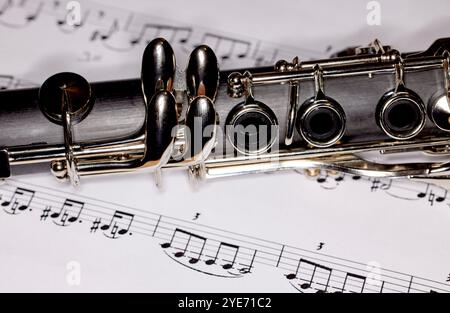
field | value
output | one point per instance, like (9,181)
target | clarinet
(364,111)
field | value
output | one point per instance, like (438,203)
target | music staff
(121,31)
(115,228)
(223,246)
(20,201)
(432,197)
(227,47)
(173,34)
(312,272)
(359,280)
(188,238)
(308,276)
(68,214)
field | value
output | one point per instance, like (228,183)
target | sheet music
(102,42)
(279,232)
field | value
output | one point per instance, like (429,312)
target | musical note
(223,247)
(248,269)
(423,194)
(339,178)
(432,196)
(356,283)
(5,6)
(327,183)
(116,37)
(226,47)
(386,186)
(188,242)
(69,213)
(170,33)
(17,14)
(35,14)
(112,29)
(19,201)
(378,184)
(96,33)
(322,178)
(311,272)
(116,229)
(46,212)
(66,27)
(95,224)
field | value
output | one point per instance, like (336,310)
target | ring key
(294,90)
(251,126)
(321,119)
(439,108)
(400,112)
(66,99)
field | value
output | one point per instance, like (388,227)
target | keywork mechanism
(370,111)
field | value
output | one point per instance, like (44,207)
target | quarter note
(187,238)
(19,201)
(69,213)
(119,225)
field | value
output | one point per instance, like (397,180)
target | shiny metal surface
(401,112)
(158,68)
(202,73)
(128,127)
(65,85)
(321,120)
(202,81)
